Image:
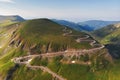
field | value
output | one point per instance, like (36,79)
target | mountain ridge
(73,25)
(97,24)
(110,36)
(11,19)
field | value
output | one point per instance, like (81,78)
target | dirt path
(27,63)
(47,70)
(27,59)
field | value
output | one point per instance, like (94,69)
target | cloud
(7,1)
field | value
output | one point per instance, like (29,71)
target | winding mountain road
(81,39)
(27,63)
(27,59)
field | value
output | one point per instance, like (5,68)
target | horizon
(75,11)
(61,19)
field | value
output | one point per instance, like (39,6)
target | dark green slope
(108,34)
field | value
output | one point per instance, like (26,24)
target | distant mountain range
(12,18)
(7,20)
(90,25)
(97,24)
(73,25)
(87,25)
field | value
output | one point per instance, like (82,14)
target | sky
(72,10)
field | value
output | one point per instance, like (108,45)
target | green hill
(109,34)
(54,47)
(43,35)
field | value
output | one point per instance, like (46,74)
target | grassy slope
(32,32)
(79,71)
(6,23)
(33,35)
(44,32)
(5,61)
(112,38)
(7,52)
(24,73)
(8,20)
(109,34)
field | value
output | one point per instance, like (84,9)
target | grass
(4,68)
(48,36)
(41,32)
(108,34)
(77,71)
(112,38)
(5,61)
(80,72)
(6,23)
(112,73)
(72,71)
(24,73)
(11,54)
(39,61)
(103,70)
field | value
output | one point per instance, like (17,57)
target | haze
(73,10)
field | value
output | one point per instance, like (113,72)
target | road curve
(27,59)
(27,63)
(80,39)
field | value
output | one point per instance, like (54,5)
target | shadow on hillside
(114,50)
(11,72)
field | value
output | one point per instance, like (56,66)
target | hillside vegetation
(7,20)
(32,44)
(109,34)
(36,36)
(43,35)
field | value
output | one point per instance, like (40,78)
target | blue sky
(73,10)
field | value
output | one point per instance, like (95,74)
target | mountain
(110,36)
(41,49)
(97,24)
(16,18)
(7,20)
(49,36)
(73,25)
